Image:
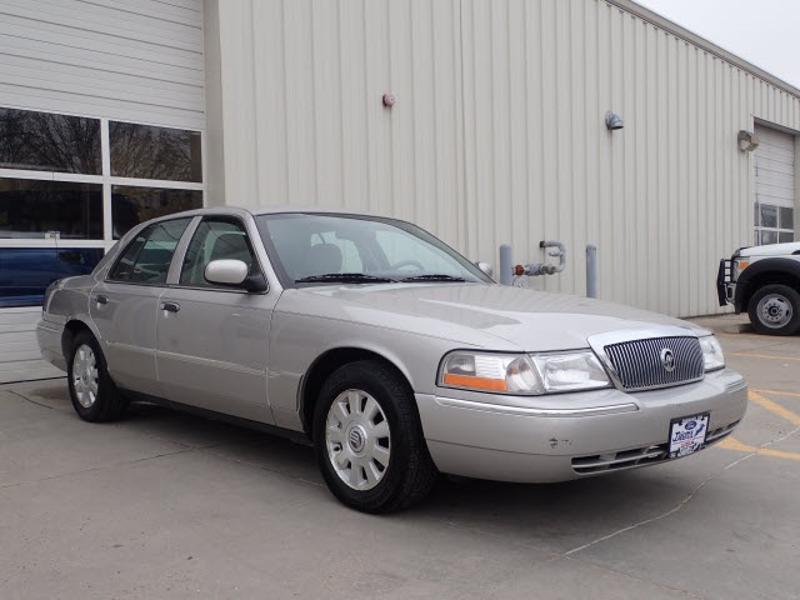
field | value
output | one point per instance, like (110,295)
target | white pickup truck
(765,282)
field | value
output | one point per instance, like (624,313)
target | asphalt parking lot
(164,505)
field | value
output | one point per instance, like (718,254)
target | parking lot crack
(675,509)
(114,465)
(683,502)
(26,399)
(645,580)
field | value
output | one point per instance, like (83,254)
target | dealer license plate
(687,435)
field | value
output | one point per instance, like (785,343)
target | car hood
(771,250)
(490,316)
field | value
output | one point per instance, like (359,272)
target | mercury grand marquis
(395,356)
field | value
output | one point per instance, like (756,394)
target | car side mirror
(232,272)
(485,267)
(226,271)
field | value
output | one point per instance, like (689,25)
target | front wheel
(368,439)
(775,310)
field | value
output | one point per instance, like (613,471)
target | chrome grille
(639,365)
(637,457)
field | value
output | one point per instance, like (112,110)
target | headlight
(570,371)
(523,374)
(739,265)
(712,353)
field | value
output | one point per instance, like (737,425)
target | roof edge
(656,19)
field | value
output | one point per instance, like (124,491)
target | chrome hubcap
(85,379)
(357,439)
(775,311)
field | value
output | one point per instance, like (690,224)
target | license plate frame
(685,441)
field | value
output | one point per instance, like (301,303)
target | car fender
(298,341)
(788,266)
(70,303)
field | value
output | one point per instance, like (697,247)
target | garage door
(101,123)
(774,186)
(128,60)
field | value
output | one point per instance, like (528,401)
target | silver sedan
(394,355)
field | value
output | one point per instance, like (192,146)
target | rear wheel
(93,393)
(775,310)
(368,439)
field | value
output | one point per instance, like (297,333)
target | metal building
(117,110)
(498,131)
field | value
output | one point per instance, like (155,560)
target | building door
(774,186)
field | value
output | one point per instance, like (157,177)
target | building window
(774,224)
(36,209)
(71,185)
(25,273)
(146,152)
(132,205)
(40,141)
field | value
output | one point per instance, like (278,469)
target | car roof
(290,208)
(265,210)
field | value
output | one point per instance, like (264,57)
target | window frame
(759,230)
(183,248)
(105,179)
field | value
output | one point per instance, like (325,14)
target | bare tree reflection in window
(49,142)
(147,152)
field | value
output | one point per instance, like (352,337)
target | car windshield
(323,248)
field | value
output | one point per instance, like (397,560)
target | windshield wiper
(345,278)
(433,277)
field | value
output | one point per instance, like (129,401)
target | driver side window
(215,239)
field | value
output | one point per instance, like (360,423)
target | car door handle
(101,299)
(170,306)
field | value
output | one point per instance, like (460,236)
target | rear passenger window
(148,256)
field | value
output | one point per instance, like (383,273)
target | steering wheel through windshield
(410,263)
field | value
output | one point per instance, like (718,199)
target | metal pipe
(591,271)
(560,253)
(506,265)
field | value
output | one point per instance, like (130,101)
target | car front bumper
(568,436)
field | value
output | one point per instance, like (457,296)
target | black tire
(109,404)
(784,294)
(410,474)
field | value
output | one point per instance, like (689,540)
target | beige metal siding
(498,133)
(137,60)
(302,112)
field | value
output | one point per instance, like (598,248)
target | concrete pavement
(165,505)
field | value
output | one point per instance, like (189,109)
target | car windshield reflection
(327,248)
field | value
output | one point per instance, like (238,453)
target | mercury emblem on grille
(667,360)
